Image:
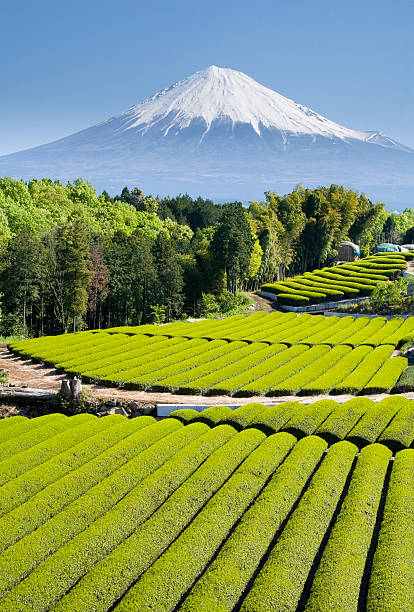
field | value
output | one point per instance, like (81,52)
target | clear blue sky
(66,66)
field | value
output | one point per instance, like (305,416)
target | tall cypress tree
(170,277)
(232,244)
(71,269)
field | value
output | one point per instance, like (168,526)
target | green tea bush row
(361,420)
(145,377)
(375,420)
(307,420)
(343,419)
(120,351)
(114,499)
(85,425)
(280,582)
(241,380)
(293,385)
(329,293)
(290,299)
(406,381)
(254,355)
(349,292)
(337,324)
(124,361)
(98,344)
(363,336)
(16,426)
(391,585)
(153,368)
(103,433)
(337,582)
(27,439)
(55,497)
(340,336)
(269,384)
(314,296)
(133,530)
(387,376)
(399,433)
(228,355)
(328,380)
(229,574)
(178,567)
(362,374)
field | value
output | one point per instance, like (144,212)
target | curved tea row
(111,513)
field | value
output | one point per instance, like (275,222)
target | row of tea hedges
(348,280)
(215,367)
(359,420)
(178,515)
(275,355)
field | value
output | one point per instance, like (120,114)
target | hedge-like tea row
(240,355)
(281,580)
(364,371)
(391,585)
(114,514)
(219,514)
(53,499)
(22,485)
(360,420)
(406,382)
(228,576)
(338,579)
(338,282)
(178,567)
(21,463)
(135,537)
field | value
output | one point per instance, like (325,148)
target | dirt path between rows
(29,374)
(261,304)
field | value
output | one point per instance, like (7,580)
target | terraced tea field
(117,514)
(345,281)
(263,354)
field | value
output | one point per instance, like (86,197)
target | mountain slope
(221,134)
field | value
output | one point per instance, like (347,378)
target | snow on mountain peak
(222,93)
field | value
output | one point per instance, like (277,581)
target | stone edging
(313,307)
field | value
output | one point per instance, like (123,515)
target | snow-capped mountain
(221,134)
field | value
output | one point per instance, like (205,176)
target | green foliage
(158,313)
(391,586)
(178,567)
(291,299)
(280,582)
(339,576)
(375,420)
(230,572)
(175,492)
(117,513)
(406,381)
(259,354)
(232,245)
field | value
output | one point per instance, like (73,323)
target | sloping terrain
(111,513)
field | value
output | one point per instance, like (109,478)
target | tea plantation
(290,508)
(345,281)
(262,354)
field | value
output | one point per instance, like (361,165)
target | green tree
(23,280)
(170,277)
(70,260)
(232,245)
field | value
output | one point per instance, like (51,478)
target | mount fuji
(220,134)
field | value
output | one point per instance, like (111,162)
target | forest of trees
(70,259)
